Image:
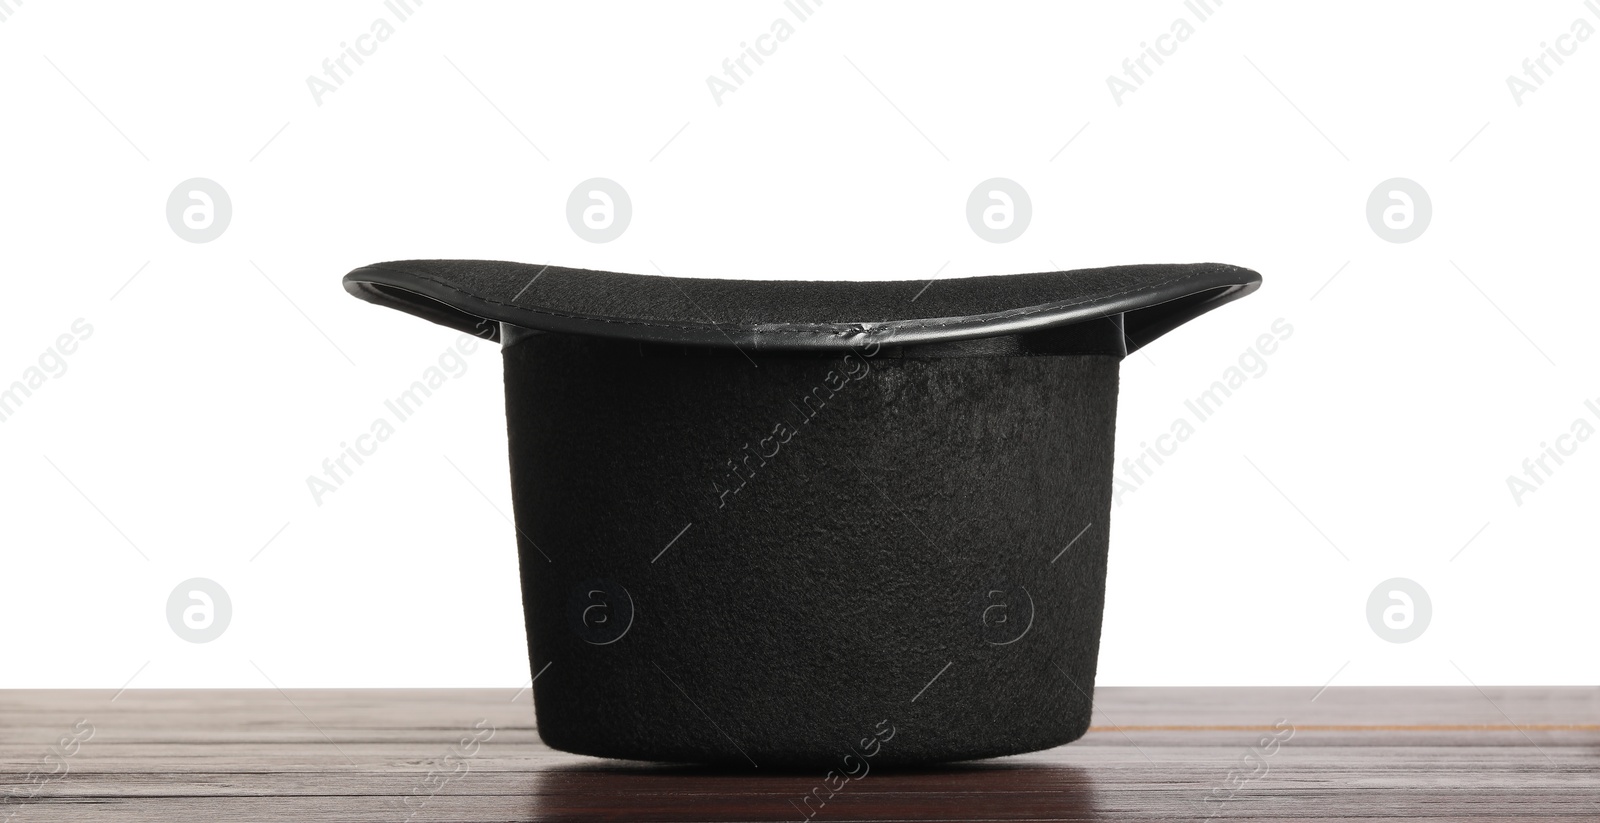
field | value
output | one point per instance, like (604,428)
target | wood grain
(1154,754)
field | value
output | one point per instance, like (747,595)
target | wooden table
(473,755)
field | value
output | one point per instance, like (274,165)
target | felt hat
(807,523)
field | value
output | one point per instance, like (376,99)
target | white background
(223,374)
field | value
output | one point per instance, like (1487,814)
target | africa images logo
(1536,70)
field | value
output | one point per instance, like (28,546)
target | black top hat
(794,523)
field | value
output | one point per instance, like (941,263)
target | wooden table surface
(473,755)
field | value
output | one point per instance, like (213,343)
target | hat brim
(793,315)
